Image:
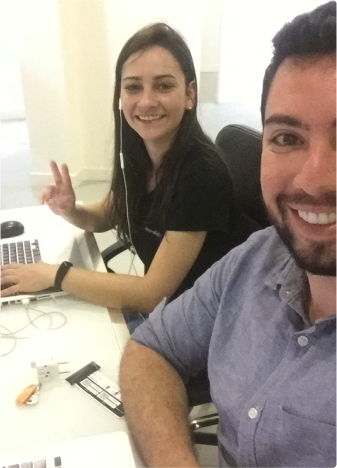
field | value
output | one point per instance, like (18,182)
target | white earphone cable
(121,156)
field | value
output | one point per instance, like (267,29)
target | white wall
(42,73)
(210,47)
(68,49)
(125,18)
(11,97)
(247,28)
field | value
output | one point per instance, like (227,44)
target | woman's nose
(147,98)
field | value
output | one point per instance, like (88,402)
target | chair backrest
(241,147)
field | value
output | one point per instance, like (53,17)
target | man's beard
(317,258)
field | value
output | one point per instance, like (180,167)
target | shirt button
(252,413)
(302,340)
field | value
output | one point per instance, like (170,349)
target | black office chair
(240,147)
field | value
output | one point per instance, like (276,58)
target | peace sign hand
(60,196)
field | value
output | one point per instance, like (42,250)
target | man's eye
(286,139)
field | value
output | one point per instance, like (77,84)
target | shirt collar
(289,279)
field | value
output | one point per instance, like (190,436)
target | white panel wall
(43,82)
(247,28)
(210,47)
(125,18)
(68,51)
(11,98)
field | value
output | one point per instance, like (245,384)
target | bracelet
(61,273)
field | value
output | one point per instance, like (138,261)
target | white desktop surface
(90,334)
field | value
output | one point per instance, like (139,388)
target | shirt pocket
(287,440)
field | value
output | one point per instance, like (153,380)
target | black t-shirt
(202,200)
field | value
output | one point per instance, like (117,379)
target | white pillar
(68,50)
(11,97)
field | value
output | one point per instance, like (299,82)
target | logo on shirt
(155,233)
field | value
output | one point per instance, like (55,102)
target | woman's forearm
(93,218)
(112,290)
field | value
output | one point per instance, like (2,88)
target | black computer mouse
(11,229)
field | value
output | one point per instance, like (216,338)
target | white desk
(91,334)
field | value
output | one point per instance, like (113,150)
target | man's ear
(191,93)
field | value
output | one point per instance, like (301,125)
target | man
(262,319)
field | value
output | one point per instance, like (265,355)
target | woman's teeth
(149,117)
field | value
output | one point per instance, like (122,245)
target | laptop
(112,450)
(26,250)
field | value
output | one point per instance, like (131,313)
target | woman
(176,203)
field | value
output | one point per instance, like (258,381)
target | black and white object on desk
(99,387)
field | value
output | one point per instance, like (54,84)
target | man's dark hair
(309,34)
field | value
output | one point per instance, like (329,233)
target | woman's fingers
(27,278)
(61,177)
(66,177)
(10,290)
(8,280)
(47,194)
(56,173)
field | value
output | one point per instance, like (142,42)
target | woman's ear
(191,94)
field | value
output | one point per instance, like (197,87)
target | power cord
(31,322)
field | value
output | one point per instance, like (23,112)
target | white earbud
(121,157)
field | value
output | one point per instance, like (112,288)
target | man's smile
(317,218)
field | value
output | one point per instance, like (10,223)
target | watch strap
(61,273)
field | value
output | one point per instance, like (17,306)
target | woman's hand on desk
(16,278)
(60,196)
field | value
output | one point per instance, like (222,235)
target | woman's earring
(189,108)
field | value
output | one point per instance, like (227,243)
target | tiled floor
(17,192)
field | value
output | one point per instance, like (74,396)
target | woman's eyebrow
(159,77)
(132,78)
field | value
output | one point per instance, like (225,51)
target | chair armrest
(114,250)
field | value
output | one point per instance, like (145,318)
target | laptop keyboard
(37,464)
(20,252)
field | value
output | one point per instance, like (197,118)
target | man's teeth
(149,117)
(320,218)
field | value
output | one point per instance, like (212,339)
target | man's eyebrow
(284,119)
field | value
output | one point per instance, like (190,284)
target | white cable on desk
(13,334)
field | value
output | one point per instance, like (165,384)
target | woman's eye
(132,88)
(286,139)
(164,86)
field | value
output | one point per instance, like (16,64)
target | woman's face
(154,97)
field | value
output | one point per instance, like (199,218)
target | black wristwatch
(61,273)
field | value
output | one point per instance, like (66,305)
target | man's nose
(318,171)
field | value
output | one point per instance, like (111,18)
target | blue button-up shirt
(272,373)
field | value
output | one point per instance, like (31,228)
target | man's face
(298,172)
